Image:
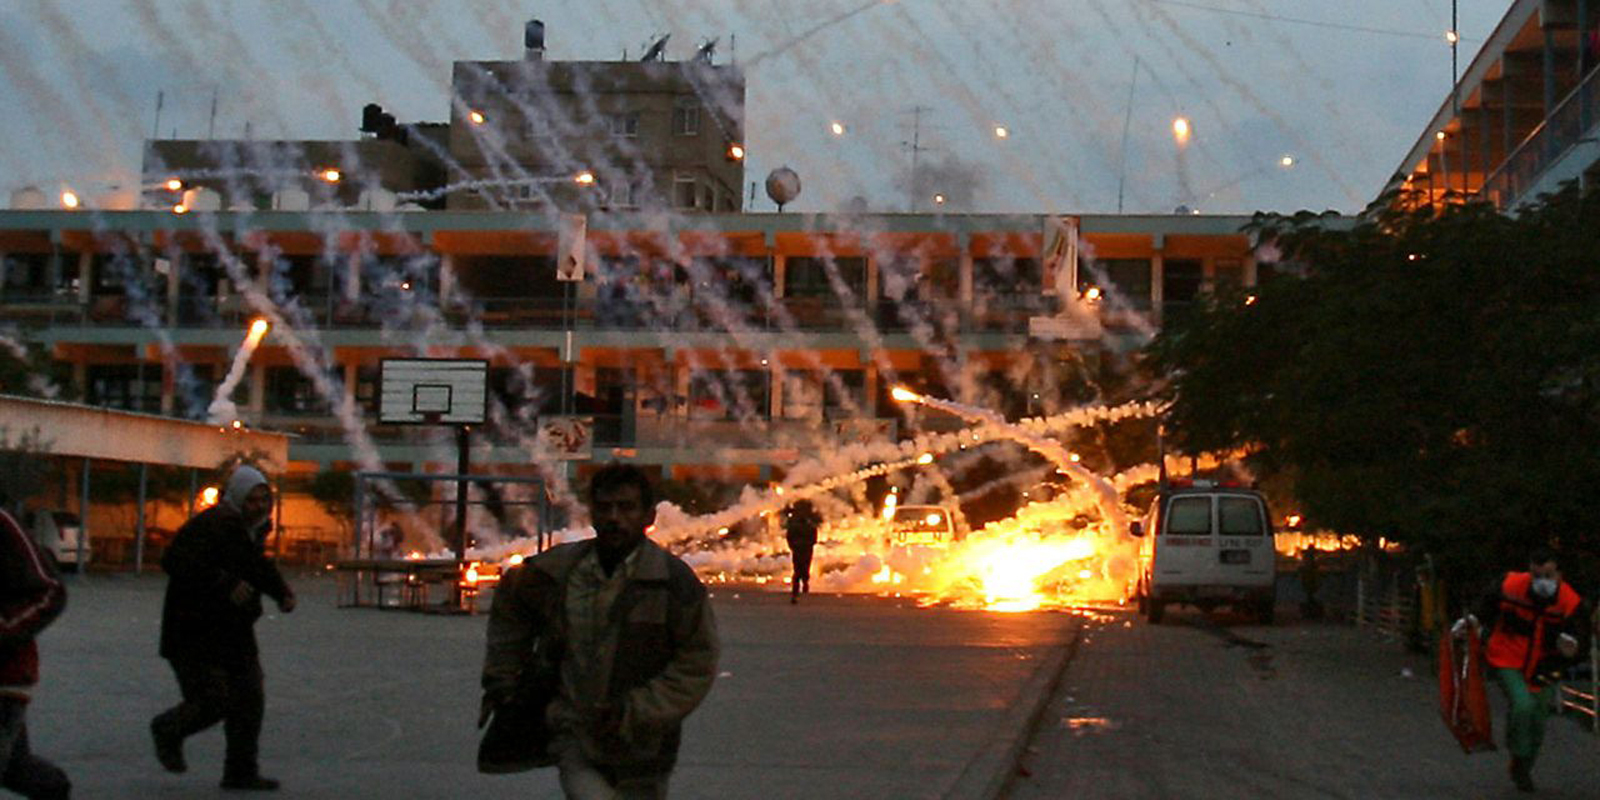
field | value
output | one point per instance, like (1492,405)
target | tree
(1429,377)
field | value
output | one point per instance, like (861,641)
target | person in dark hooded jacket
(217,571)
(31,597)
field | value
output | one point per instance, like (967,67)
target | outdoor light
(1249,299)
(1000,132)
(1074,457)
(406,285)
(1452,37)
(925,458)
(330,175)
(1092,294)
(1286,162)
(238,425)
(69,199)
(938,199)
(174,185)
(1439,136)
(837,128)
(180,209)
(584,178)
(934,519)
(514,560)
(208,497)
(476,116)
(736,152)
(905,395)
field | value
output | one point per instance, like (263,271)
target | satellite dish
(783,186)
(657,50)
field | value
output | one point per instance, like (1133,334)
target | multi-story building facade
(528,134)
(709,345)
(1523,118)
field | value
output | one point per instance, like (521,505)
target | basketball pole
(462,458)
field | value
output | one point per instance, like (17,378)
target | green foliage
(1430,377)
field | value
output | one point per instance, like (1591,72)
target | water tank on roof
(783,186)
(202,199)
(376,200)
(291,200)
(28,198)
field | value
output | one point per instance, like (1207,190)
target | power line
(1300,21)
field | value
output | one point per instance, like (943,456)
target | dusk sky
(1342,88)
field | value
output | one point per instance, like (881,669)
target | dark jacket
(208,557)
(31,597)
(800,527)
(662,666)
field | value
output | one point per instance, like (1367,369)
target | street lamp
(69,199)
(330,175)
(837,128)
(1001,132)
(938,199)
(1182,130)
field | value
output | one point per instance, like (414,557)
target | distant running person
(800,529)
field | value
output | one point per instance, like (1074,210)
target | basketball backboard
(433,391)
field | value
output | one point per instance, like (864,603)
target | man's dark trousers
(231,694)
(25,773)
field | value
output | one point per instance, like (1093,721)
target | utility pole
(916,148)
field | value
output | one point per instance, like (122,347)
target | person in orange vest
(1534,630)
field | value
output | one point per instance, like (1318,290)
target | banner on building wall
(566,438)
(1059,259)
(572,245)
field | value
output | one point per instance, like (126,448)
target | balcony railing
(1548,142)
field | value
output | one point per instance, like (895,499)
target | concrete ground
(1222,707)
(837,697)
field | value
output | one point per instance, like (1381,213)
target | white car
(1206,545)
(58,532)
(927,526)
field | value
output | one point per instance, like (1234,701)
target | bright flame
(905,395)
(934,519)
(476,116)
(258,328)
(736,152)
(208,497)
(1092,294)
(330,175)
(1181,130)
(925,459)
(514,560)
(890,503)
(180,209)
(173,185)
(584,178)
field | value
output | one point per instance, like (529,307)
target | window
(1180,284)
(131,387)
(1008,275)
(686,117)
(1240,516)
(807,276)
(1227,273)
(729,394)
(289,391)
(625,124)
(1127,281)
(684,194)
(27,273)
(1189,516)
(844,393)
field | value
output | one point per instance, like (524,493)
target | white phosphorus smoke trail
(222,411)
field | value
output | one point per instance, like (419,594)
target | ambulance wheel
(1155,610)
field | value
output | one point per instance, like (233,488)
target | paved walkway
(1227,709)
(836,698)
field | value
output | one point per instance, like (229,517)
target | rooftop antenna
(916,147)
(161,96)
(657,51)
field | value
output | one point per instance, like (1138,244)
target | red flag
(1463,699)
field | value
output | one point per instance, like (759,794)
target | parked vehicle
(928,526)
(1206,545)
(58,532)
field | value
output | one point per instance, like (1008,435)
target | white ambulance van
(1206,545)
